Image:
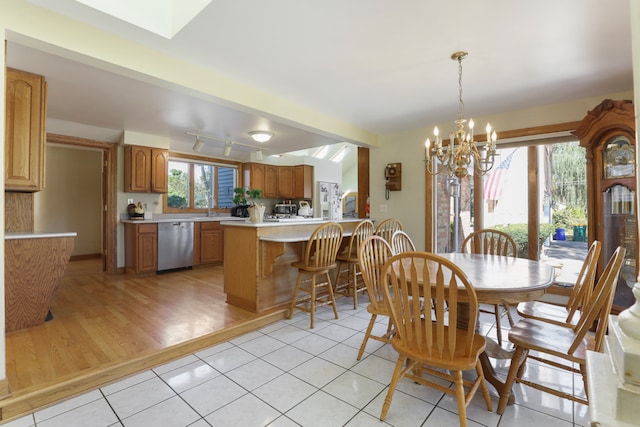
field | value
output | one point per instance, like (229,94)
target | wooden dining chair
(387,227)
(347,262)
(374,252)
(569,314)
(492,242)
(559,346)
(401,242)
(318,258)
(440,345)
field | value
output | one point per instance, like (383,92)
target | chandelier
(456,157)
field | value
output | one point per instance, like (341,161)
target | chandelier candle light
(457,156)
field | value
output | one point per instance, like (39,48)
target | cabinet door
(159,171)
(285,182)
(253,176)
(26,100)
(211,246)
(270,190)
(303,182)
(137,173)
(147,252)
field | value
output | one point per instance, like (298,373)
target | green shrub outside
(519,233)
(569,217)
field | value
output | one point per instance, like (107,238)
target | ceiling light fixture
(198,145)
(227,149)
(261,135)
(457,156)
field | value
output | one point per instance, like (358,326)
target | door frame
(109,194)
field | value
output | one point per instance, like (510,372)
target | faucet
(210,206)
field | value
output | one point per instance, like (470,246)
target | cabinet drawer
(147,228)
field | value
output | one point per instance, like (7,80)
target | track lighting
(261,135)
(227,144)
(198,145)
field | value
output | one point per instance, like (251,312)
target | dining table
(501,280)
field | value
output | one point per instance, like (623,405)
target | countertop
(184,219)
(38,235)
(248,223)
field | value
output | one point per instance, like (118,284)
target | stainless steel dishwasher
(175,245)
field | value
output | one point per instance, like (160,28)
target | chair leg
(312,308)
(336,284)
(367,334)
(333,299)
(516,360)
(352,272)
(583,371)
(498,328)
(397,371)
(508,310)
(483,386)
(295,295)
(462,404)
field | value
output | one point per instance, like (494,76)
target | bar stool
(319,257)
(349,259)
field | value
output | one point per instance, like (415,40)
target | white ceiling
(381,65)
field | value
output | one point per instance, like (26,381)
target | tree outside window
(196,187)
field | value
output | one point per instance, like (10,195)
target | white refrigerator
(330,206)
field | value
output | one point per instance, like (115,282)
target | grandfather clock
(608,134)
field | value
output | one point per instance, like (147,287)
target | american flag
(494,182)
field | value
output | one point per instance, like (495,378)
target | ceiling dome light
(261,135)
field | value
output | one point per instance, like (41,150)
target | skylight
(162,17)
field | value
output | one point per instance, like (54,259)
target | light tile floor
(288,375)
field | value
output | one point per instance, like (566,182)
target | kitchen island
(257,260)
(34,266)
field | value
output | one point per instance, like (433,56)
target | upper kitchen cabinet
(303,182)
(25,135)
(270,189)
(253,176)
(145,169)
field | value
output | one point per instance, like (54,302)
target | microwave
(285,209)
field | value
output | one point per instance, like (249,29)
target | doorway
(108,173)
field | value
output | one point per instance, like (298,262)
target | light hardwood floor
(106,327)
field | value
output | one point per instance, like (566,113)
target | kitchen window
(197,186)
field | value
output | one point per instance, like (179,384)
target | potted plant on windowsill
(256,210)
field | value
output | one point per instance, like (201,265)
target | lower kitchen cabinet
(209,243)
(141,248)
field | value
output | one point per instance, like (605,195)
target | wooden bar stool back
(348,263)
(374,252)
(319,257)
(492,242)
(438,345)
(560,346)
(401,242)
(387,227)
(569,314)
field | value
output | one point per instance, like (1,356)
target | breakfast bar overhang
(257,260)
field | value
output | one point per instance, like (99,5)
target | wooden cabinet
(608,134)
(253,176)
(286,182)
(209,243)
(141,248)
(25,135)
(270,189)
(302,182)
(146,169)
